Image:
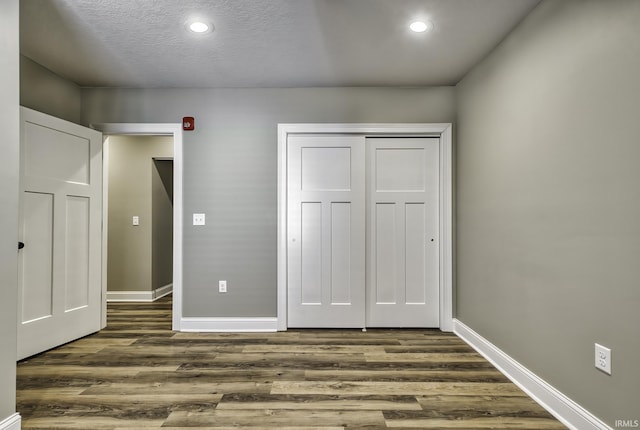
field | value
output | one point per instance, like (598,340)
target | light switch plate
(136,220)
(198,219)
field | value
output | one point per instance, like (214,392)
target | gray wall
(131,172)
(548,203)
(230,172)
(9,144)
(162,223)
(44,91)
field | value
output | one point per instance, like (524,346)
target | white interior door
(326,231)
(60,224)
(403,232)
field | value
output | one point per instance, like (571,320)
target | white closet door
(326,232)
(59,277)
(402,254)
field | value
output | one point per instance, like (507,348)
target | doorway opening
(139,202)
(144,229)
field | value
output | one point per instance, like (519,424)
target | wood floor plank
(421,341)
(478,423)
(85,378)
(139,399)
(336,364)
(263,376)
(319,402)
(189,387)
(485,405)
(111,333)
(274,357)
(86,423)
(437,357)
(106,406)
(395,388)
(313,349)
(92,345)
(261,427)
(48,394)
(270,417)
(430,348)
(51,371)
(173,350)
(433,375)
(138,374)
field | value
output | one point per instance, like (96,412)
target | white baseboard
(229,324)
(560,406)
(162,291)
(139,296)
(14,422)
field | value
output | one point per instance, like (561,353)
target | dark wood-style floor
(138,374)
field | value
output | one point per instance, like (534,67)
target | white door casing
(403,233)
(59,269)
(179,323)
(443,240)
(326,207)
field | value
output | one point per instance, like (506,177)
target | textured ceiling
(264,43)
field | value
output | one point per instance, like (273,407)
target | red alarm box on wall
(188,123)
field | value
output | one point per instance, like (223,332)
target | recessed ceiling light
(199,27)
(421,26)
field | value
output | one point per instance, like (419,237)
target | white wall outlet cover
(222,286)
(198,219)
(136,220)
(603,358)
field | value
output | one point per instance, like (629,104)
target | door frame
(157,129)
(440,130)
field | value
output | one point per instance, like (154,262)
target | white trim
(14,422)
(139,296)
(160,292)
(105,228)
(281,252)
(446,230)
(129,296)
(442,130)
(229,324)
(560,406)
(176,131)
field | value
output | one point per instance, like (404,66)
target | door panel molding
(445,246)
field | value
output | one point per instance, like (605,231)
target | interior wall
(230,172)
(9,148)
(44,91)
(162,223)
(548,202)
(131,172)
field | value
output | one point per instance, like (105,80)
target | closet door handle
(20,245)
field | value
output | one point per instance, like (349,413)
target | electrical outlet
(222,286)
(603,358)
